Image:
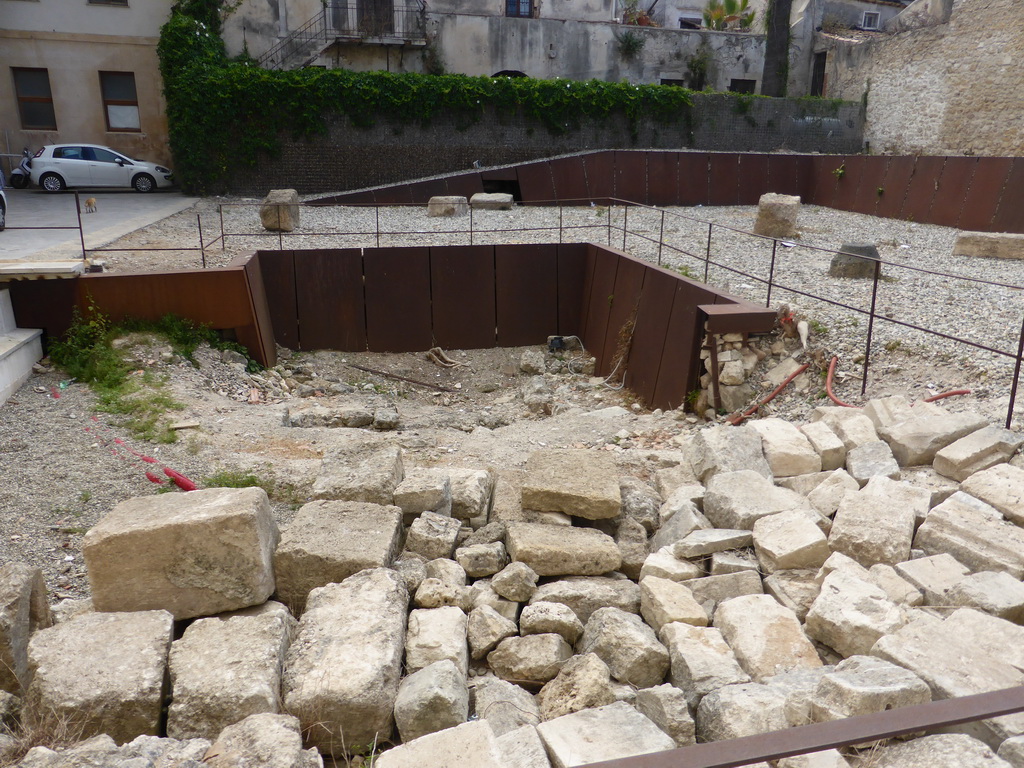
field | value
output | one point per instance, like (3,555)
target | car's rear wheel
(51,182)
(144,183)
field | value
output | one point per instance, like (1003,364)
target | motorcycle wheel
(18,181)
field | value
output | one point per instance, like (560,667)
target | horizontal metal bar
(805,739)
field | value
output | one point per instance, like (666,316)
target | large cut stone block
(1002,487)
(946,750)
(980,450)
(700,660)
(786,448)
(585,594)
(996,593)
(726,449)
(474,743)
(437,634)
(851,613)
(627,645)
(876,524)
(555,550)
(605,733)
(103,672)
(328,541)
(766,637)
(491,201)
(433,535)
(827,443)
(504,705)
(250,742)
(424,489)
(933,576)
(447,205)
(855,260)
(23,610)
(741,710)
(850,425)
(359,467)
(863,685)
(583,682)
(280,210)
(739,499)
(471,492)
(777,215)
(193,554)
(789,540)
(667,708)
(870,460)
(989,245)
(431,699)
(975,534)
(663,601)
(916,440)
(226,668)
(710,591)
(577,482)
(529,659)
(342,670)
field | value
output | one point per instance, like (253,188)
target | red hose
(738,418)
(828,384)
(951,393)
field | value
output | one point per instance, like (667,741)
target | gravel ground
(63,467)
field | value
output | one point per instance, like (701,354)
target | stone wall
(348,158)
(952,88)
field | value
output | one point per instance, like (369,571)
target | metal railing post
(202,245)
(871,326)
(81,232)
(771,274)
(661,237)
(707,254)
(1016,377)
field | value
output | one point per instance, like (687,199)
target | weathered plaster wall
(257,25)
(953,88)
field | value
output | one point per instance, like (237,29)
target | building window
(871,20)
(35,102)
(690,22)
(119,101)
(742,86)
(123,3)
(519,8)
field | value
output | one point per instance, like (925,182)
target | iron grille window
(120,103)
(35,101)
(520,8)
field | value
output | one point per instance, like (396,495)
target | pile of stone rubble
(765,576)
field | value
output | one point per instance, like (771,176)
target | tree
(776,54)
(728,14)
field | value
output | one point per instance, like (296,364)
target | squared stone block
(447,205)
(606,733)
(555,550)
(575,482)
(424,489)
(363,467)
(24,609)
(193,554)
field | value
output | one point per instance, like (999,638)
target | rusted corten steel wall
(974,193)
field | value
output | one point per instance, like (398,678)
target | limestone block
(826,443)
(226,668)
(663,601)
(583,682)
(193,554)
(863,685)
(104,672)
(279,211)
(870,460)
(413,568)
(627,645)
(740,710)
(631,539)
(666,707)
(431,699)
(254,740)
(529,659)
(577,482)
(448,571)
(665,565)
(990,592)
(343,668)
(555,550)
(933,575)
(850,614)
(482,560)
(726,449)
(766,637)
(544,618)
(732,562)
(671,478)
(471,492)
(328,541)
(996,637)
(786,448)
(732,374)
(505,706)
(516,581)
(486,628)
(482,593)
(952,750)
(916,440)
(849,424)
(700,660)
(24,608)
(859,260)
(641,502)
(434,593)
(827,497)
(710,591)
(779,373)
(837,561)
(679,518)
(798,689)
(433,535)
(827,758)
(363,467)
(524,748)
(424,489)
(794,589)
(447,205)
(975,534)
(804,484)
(876,524)
(474,743)
(436,634)
(491,201)
(710,540)
(585,594)
(1002,487)
(789,540)
(886,411)
(927,479)
(739,499)
(777,215)
(989,245)
(977,451)
(899,590)
(605,733)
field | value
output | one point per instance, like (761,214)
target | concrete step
(7,322)
(20,348)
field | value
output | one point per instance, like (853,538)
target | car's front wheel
(51,182)
(144,183)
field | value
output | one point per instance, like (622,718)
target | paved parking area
(117,213)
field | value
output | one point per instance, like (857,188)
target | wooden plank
(649,334)
(278,270)
(462,296)
(329,298)
(894,189)
(397,289)
(629,281)
(572,269)
(527,293)
(921,189)
(723,178)
(694,178)
(948,203)
(982,198)
(663,178)
(631,176)
(753,179)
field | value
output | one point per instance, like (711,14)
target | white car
(58,166)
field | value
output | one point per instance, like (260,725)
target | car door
(71,164)
(105,168)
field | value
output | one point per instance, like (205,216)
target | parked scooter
(19,176)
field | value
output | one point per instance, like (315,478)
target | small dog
(90,205)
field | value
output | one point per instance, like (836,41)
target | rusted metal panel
(921,189)
(782,174)
(957,174)
(507,173)
(649,333)
(260,334)
(395,195)
(570,179)
(44,304)
(723,178)
(1010,214)
(600,168)
(466,184)
(462,296)
(624,305)
(741,317)
(680,359)
(527,293)
(871,180)
(754,179)
(848,187)
(278,270)
(806,169)
(823,179)
(535,183)
(694,178)
(631,175)
(598,302)
(663,178)
(422,191)
(397,290)
(329,298)
(894,189)
(982,200)
(572,268)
